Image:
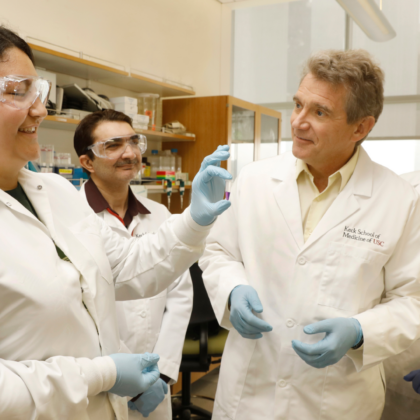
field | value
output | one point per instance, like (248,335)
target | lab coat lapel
(346,204)
(286,195)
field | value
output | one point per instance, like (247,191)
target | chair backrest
(202,310)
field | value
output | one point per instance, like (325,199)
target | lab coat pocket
(347,276)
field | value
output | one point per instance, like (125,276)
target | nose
(299,121)
(130,152)
(38,110)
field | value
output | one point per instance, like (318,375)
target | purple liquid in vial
(227,195)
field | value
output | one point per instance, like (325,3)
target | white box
(139,118)
(124,100)
(140,126)
(78,114)
(126,109)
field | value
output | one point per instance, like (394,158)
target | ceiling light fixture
(370,19)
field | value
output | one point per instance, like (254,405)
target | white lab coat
(336,273)
(47,338)
(401,402)
(157,324)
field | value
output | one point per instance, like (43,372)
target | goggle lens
(115,147)
(23,92)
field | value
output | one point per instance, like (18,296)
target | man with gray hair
(326,242)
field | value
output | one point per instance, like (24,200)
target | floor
(205,386)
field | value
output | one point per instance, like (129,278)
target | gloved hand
(243,300)
(208,188)
(149,401)
(342,334)
(135,373)
(415,377)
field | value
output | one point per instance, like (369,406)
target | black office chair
(205,339)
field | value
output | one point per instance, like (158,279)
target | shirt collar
(98,203)
(345,171)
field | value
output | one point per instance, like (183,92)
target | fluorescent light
(370,19)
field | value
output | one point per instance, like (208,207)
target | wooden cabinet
(252,131)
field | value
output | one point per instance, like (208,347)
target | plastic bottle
(155,163)
(168,161)
(178,160)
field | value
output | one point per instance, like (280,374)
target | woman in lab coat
(401,401)
(59,263)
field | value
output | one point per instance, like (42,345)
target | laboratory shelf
(69,124)
(59,62)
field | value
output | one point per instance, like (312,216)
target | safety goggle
(114,148)
(22,91)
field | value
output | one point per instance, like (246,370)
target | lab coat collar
(98,203)
(287,197)
(347,203)
(35,189)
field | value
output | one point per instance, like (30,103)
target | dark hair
(83,137)
(9,39)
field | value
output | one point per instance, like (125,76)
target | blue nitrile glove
(342,335)
(149,401)
(414,376)
(243,300)
(135,373)
(208,188)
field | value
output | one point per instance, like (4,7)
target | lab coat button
(39,187)
(290,323)
(143,314)
(282,383)
(8,204)
(301,261)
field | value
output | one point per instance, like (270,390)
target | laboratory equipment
(22,91)
(168,161)
(178,160)
(135,373)
(181,192)
(47,154)
(148,106)
(342,334)
(243,301)
(227,189)
(150,399)
(155,165)
(114,147)
(168,191)
(76,98)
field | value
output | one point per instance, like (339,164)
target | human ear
(363,128)
(86,162)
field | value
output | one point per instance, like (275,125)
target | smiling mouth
(301,138)
(29,130)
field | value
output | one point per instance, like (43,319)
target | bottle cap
(174,150)
(154,152)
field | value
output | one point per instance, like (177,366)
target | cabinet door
(242,139)
(270,136)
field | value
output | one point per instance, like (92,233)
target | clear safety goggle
(22,91)
(113,148)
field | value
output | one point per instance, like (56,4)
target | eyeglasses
(22,91)
(114,148)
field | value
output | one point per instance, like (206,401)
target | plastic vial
(178,160)
(227,189)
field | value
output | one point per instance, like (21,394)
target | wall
(177,40)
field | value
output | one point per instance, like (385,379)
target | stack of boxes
(129,106)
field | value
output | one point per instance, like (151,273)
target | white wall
(177,40)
